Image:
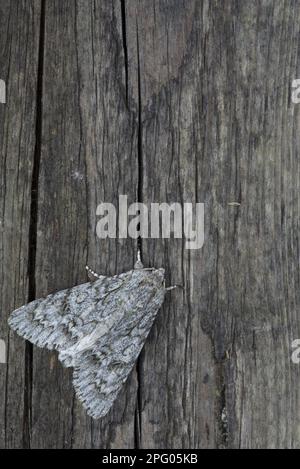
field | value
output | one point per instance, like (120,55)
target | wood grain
(165,101)
(19,39)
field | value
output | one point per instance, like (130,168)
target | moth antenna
(173,287)
(138,264)
(91,272)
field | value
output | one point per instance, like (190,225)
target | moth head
(151,277)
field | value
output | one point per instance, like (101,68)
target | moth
(98,328)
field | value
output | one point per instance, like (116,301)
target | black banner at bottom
(91,457)
(98,457)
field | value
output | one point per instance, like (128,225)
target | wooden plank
(217,126)
(88,156)
(178,377)
(19,38)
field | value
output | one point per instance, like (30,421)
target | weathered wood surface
(19,39)
(164,101)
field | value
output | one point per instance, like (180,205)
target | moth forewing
(98,328)
(102,371)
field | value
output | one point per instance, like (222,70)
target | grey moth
(98,328)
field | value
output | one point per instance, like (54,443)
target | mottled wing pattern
(102,371)
(98,328)
(61,319)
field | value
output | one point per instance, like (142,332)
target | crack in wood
(222,417)
(125,49)
(28,367)
(138,420)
